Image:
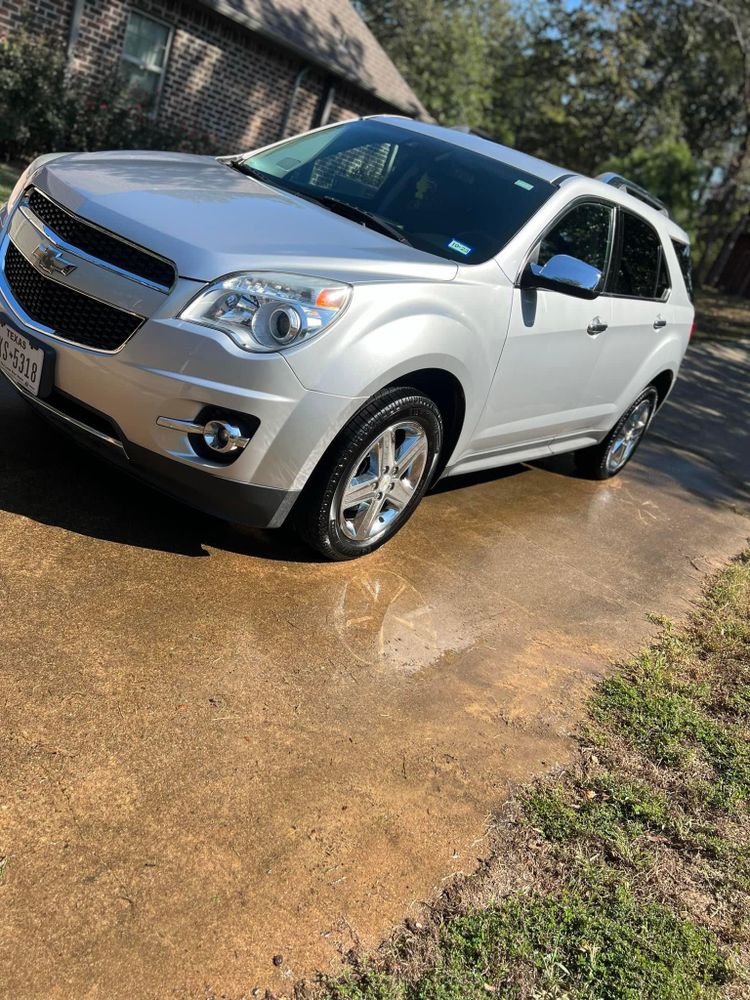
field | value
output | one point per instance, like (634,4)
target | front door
(550,354)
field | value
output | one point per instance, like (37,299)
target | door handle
(659,323)
(595,327)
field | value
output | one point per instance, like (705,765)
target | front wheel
(371,480)
(611,455)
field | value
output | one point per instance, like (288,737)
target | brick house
(244,72)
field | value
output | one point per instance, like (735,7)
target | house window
(144,58)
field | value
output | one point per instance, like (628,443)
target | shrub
(37,112)
(44,110)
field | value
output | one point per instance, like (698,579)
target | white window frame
(161,71)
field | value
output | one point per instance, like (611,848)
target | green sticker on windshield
(460,247)
(525,185)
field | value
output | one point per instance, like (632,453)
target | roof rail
(616,180)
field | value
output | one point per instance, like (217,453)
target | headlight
(268,311)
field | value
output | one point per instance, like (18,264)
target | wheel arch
(663,383)
(447,393)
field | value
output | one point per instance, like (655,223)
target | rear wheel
(371,480)
(612,454)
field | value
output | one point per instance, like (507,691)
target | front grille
(99,244)
(72,315)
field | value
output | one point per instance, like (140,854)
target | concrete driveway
(214,751)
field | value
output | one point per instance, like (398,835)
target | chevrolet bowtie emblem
(51,261)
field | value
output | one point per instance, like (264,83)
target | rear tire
(610,456)
(372,478)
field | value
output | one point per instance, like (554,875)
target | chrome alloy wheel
(631,432)
(383,480)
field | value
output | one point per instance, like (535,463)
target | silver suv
(319,330)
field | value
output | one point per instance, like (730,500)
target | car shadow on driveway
(699,444)
(54,481)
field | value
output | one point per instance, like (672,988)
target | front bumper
(174,369)
(240,503)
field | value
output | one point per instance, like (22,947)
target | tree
(441,48)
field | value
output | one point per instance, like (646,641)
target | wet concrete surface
(214,750)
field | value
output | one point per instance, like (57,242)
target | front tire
(610,456)
(372,478)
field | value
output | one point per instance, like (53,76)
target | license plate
(25,361)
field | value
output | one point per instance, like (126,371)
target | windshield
(435,195)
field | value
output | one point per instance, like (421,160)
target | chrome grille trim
(104,233)
(89,277)
(8,299)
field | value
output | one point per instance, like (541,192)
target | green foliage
(8,178)
(66,115)
(112,120)
(582,945)
(658,89)
(36,111)
(443,49)
(668,169)
(610,809)
(686,722)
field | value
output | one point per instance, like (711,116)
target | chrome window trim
(115,236)
(8,299)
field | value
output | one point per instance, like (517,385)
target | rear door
(638,290)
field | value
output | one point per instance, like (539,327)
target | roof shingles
(332,34)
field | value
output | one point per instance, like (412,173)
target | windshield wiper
(257,175)
(357,214)
(345,208)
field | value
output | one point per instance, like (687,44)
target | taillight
(692,330)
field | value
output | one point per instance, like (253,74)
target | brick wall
(220,79)
(52,16)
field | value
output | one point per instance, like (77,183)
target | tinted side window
(686,265)
(584,232)
(641,271)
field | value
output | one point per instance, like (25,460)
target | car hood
(211,220)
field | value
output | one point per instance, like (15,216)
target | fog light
(216,434)
(223,437)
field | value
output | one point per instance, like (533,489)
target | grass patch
(627,876)
(721,316)
(8,177)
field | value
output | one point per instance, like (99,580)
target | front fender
(393,330)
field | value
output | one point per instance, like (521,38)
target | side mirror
(565,274)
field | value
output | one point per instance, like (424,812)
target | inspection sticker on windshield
(460,247)
(525,185)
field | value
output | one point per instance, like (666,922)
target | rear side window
(686,264)
(641,269)
(584,232)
